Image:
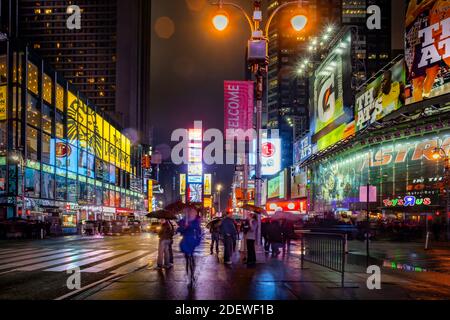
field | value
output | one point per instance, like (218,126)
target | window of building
(59,125)
(61,188)
(33,114)
(46,155)
(72,190)
(48,186)
(60,98)
(32,183)
(32,143)
(47,88)
(47,119)
(32,78)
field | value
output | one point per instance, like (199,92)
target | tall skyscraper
(287,100)
(108,59)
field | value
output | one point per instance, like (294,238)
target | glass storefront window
(72,190)
(98,196)
(91,166)
(82,162)
(61,188)
(105,197)
(33,114)
(47,119)
(48,186)
(32,183)
(32,78)
(47,88)
(69,220)
(32,143)
(60,98)
(59,125)
(46,155)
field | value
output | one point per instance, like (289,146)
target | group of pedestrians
(277,234)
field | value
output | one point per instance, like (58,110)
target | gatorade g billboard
(382,96)
(427,49)
(332,111)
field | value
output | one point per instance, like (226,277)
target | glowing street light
(220,21)
(299,22)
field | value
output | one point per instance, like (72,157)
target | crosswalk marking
(15,251)
(68,259)
(84,262)
(135,265)
(114,262)
(35,254)
(40,259)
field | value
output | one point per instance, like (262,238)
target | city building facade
(61,157)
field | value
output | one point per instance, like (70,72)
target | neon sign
(408,201)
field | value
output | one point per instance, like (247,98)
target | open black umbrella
(162,214)
(179,206)
(214,222)
(255,209)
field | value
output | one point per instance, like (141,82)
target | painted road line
(36,254)
(40,259)
(135,265)
(114,262)
(71,256)
(84,262)
(16,251)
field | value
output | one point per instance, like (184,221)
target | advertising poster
(332,111)
(238,105)
(273,188)
(182,184)
(208,181)
(381,97)
(397,169)
(427,54)
(195,192)
(299,182)
(270,156)
(303,149)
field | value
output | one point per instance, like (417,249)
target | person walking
(171,243)
(265,235)
(191,232)
(251,238)
(165,237)
(288,235)
(228,232)
(215,236)
(275,237)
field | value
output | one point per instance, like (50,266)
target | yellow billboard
(207,184)
(182,184)
(207,202)
(150,195)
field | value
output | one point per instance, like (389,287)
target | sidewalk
(271,279)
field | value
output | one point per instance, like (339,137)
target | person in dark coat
(165,237)
(288,235)
(228,232)
(265,235)
(275,237)
(215,236)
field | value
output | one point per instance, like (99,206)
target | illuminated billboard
(195,169)
(208,184)
(426,49)
(182,184)
(276,187)
(332,112)
(299,182)
(195,192)
(381,97)
(397,169)
(270,156)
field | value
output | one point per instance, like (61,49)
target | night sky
(190,61)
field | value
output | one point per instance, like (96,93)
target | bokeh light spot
(164,27)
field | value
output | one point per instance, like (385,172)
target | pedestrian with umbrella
(214,229)
(228,232)
(251,237)
(165,238)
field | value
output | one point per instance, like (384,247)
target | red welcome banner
(238,105)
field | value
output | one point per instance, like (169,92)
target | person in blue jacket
(190,229)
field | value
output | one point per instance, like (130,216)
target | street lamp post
(219,189)
(440,153)
(258,58)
